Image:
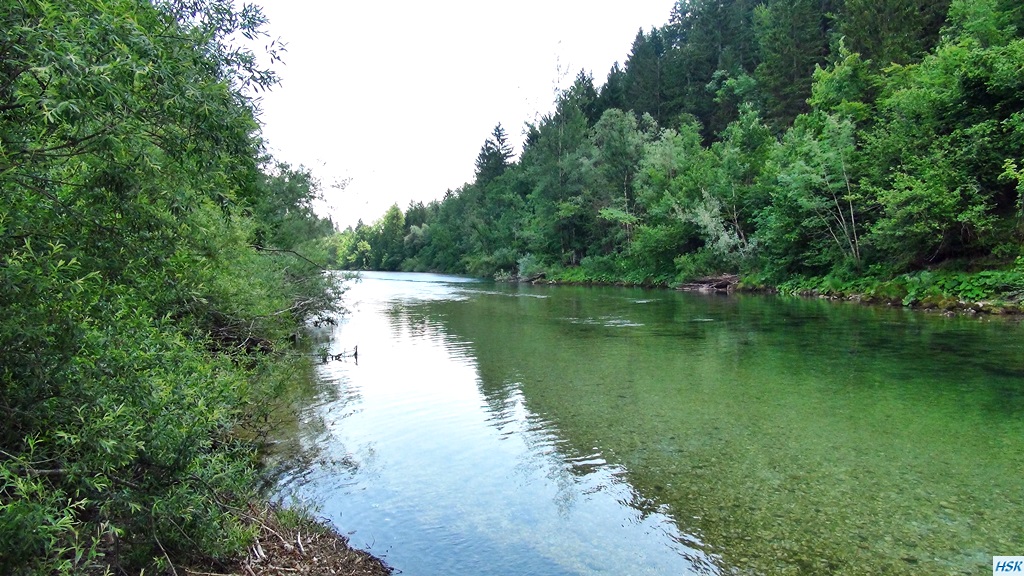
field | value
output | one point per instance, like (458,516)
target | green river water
(500,429)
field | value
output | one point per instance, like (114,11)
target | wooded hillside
(815,143)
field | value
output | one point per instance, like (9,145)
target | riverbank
(293,542)
(994,292)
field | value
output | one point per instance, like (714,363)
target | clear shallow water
(493,429)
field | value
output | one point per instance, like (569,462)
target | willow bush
(140,297)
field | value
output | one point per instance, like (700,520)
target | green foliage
(380,246)
(558,164)
(703,262)
(488,264)
(528,266)
(846,88)
(934,287)
(949,126)
(137,314)
(127,435)
(389,240)
(931,289)
(284,209)
(1011,173)
(926,214)
(655,248)
(815,218)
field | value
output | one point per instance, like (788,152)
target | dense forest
(873,146)
(150,278)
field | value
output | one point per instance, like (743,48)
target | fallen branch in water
(326,357)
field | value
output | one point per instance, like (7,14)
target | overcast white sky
(400,95)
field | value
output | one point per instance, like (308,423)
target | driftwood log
(725,283)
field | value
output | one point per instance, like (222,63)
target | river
(550,430)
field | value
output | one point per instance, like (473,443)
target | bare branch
(260,248)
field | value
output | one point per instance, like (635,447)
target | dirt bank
(293,543)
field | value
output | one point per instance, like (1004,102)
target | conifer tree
(644,75)
(793,38)
(494,156)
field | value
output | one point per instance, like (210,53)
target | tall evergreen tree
(416,214)
(494,156)
(584,96)
(707,39)
(613,93)
(793,38)
(644,88)
(891,31)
